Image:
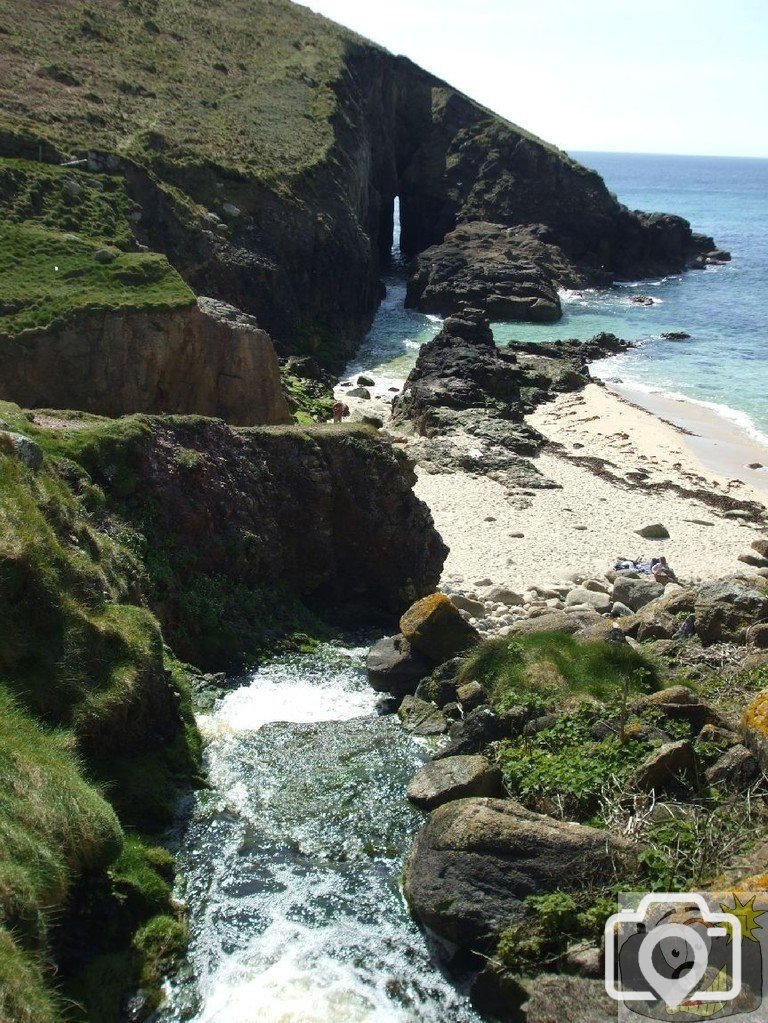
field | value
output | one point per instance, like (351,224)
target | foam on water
(291,862)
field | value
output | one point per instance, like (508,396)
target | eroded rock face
(479,265)
(208,359)
(476,860)
(326,512)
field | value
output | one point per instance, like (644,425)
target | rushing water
(290,864)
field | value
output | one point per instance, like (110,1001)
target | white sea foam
(274,695)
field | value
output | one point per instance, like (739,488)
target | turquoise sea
(724,364)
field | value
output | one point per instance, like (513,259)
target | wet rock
(735,769)
(453,778)
(434,627)
(663,767)
(636,593)
(359,392)
(476,860)
(478,729)
(421,718)
(364,381)
(655,531)
(393,666)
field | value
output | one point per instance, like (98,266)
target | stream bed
(290,864)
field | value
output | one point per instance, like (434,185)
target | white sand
(584,526)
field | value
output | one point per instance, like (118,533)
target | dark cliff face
(267,170)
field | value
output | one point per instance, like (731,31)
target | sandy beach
(652,472)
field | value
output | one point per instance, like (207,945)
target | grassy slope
(246,84)
(73,657)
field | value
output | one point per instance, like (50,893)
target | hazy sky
(654,76)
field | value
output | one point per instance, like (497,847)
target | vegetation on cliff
(97,742)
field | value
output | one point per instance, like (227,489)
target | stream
(290,864)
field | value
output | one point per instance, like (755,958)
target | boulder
(761,546)
(27,451)
(735,769)
(619,610)
(502,595)
(754,728)
(681,704)
(580,596)
(550,621)
(393,666)
(441,686)
(476,608)
(757,636)
(655,531)
(477,730)
(753,560)
(421,718)
(434,627)
(663,767)
(636,593)
(547,998)
(453,778)
(726,609)
(363,381)
(476,860)
(471,695)
(359,392)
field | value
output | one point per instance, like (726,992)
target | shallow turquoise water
(725,362)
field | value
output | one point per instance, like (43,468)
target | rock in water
(476,860)
(434,627)
(394,667)
(454,778)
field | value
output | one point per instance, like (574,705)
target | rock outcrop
(325,513)
(208,358)
(478,265)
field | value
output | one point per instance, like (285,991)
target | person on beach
(339,411)
(661,571)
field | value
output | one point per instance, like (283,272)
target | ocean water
(724,364)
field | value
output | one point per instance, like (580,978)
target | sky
(645,76)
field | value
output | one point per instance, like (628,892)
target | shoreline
(613,468)
(720,445)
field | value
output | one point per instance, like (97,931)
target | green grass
(85,686)
(248,84)
(54,829)
(67,200)
(555,668)
(47,277)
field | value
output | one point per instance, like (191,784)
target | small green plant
(548,926)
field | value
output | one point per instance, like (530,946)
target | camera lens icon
(667,961)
